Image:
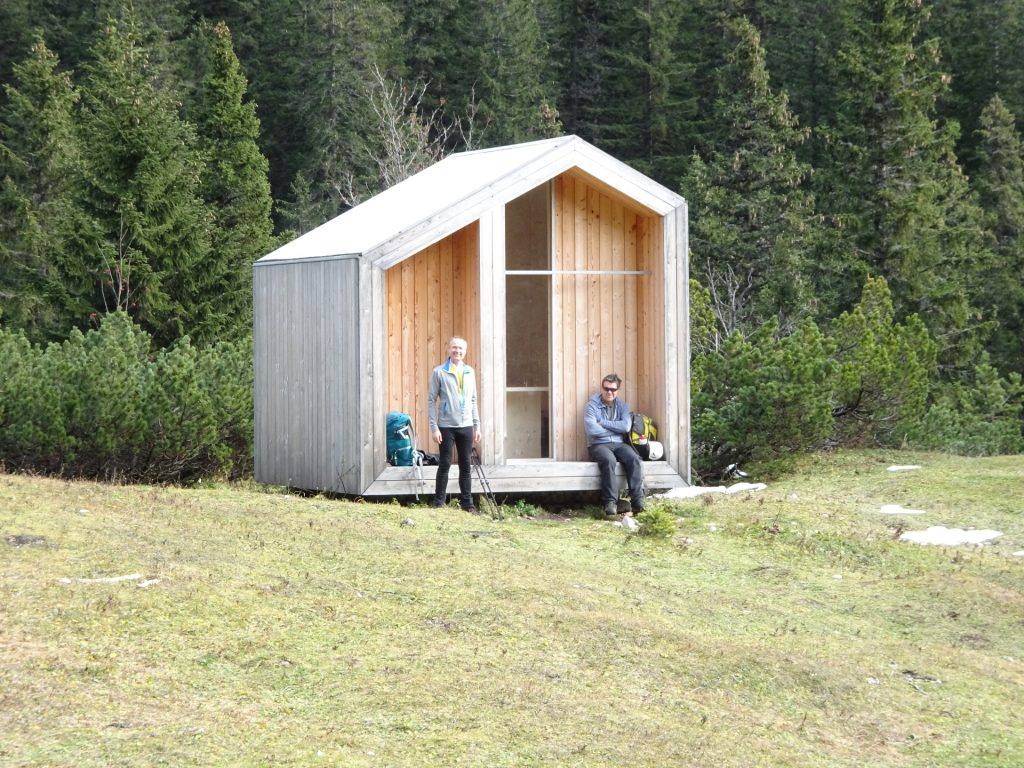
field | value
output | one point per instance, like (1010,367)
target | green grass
(782,628)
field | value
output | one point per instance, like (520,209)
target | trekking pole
(484,483)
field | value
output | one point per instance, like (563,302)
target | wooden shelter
(555,261)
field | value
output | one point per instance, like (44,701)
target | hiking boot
(437,503)
(471,510)
(611,510)
(637,508)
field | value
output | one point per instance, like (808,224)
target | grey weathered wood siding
(308,374)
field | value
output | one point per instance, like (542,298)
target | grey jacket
(458,409)
(600,428)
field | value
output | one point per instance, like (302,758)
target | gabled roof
(458,190)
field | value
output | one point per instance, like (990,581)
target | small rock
(408,522)
(630,524)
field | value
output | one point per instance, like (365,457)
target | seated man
(607,421)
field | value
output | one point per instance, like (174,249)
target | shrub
(656,523)
(883,369)
(762,399)
(32,429)
(981,418)
(103,405)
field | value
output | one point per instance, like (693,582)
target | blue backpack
(401,439)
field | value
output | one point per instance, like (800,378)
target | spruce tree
(485,64)
(751,220)
(983,50)
(516,103)
(624,81)
(311,87)
(40,290)
(152,238)
(999,182)
(234,181)
(892,182)
(16,38)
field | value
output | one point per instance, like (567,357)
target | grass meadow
(786,627)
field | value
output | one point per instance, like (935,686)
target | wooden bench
(521,477)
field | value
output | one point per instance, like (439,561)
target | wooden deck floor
(524,477)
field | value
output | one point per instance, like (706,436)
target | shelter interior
(578,289)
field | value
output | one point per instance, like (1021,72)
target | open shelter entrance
(579,266)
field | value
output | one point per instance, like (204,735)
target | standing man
(455,423)
(607,422)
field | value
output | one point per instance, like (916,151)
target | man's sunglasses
(610,389)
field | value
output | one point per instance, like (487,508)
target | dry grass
(784,628)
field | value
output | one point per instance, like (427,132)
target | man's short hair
(612,378)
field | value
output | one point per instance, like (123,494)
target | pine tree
(39,213)
(892,182)
(234,181)
(999,182)
(152,238)
(750,217)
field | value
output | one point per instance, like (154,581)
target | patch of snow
(738,487)
(950,537)
(896,509)
(1019,553)
(903,467)
(688,492)
(692,491)
(104,580)
(148,583)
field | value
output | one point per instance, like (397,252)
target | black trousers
(461,438)
(607,455)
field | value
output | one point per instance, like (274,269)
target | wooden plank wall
(307,394)
(429,298)
(604,322)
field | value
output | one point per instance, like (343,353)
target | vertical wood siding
(308,399)
(430,297)
(604,322)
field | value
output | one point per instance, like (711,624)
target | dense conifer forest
(854,170)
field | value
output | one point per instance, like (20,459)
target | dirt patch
(26,540)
